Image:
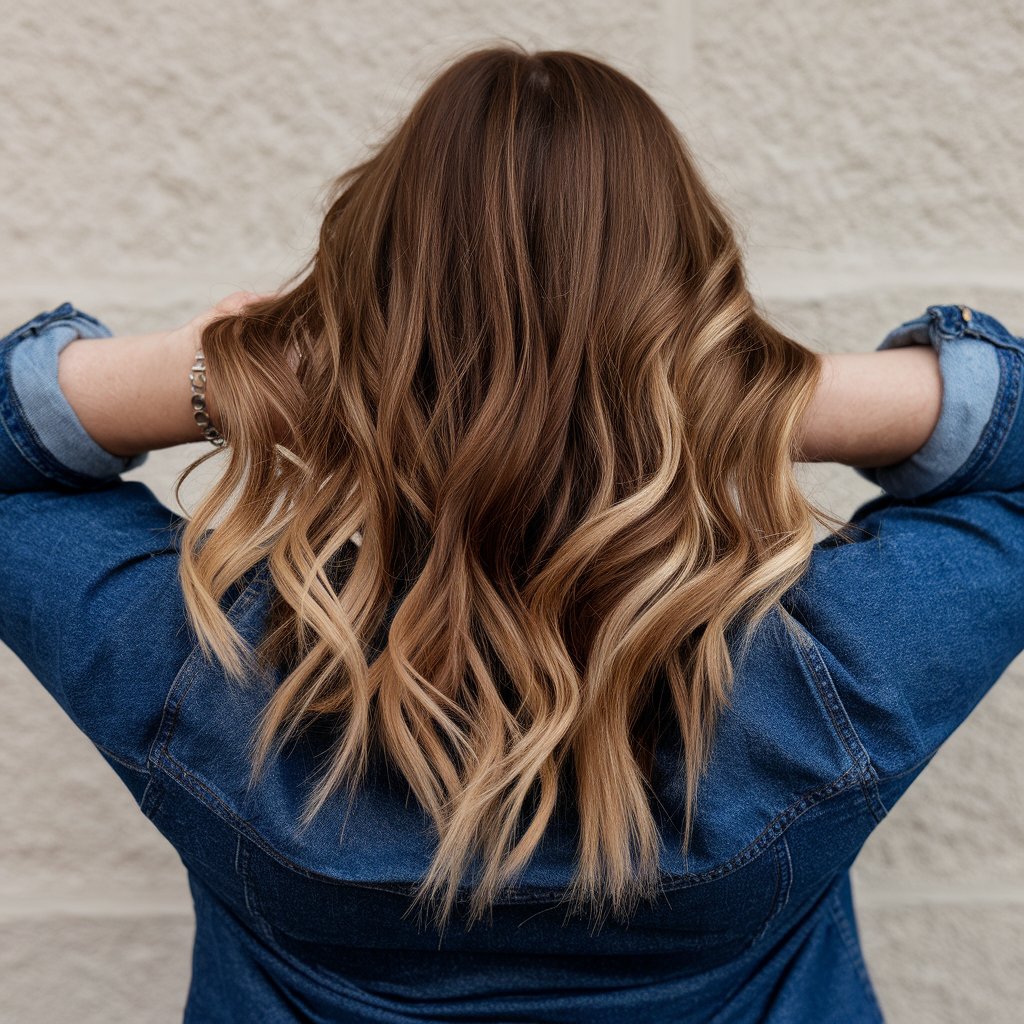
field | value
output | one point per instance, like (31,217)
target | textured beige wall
(156,156)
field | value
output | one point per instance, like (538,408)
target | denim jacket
(828,727)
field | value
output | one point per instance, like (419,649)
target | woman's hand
(189,336)
(233,303)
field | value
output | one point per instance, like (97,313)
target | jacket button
(965,312)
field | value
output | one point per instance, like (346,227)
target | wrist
(189,340)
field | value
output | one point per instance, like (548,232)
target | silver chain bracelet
(197,378)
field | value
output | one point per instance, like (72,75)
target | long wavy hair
(522,395)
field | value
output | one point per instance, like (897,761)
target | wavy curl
(522,396)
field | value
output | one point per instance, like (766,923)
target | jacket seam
(173,769)
(841,723)
(853,950)
(179,689)
(106,751)
(153,794)
(917,766)
(783,885)
(243,854)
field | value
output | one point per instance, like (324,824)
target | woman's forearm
(132,393)
(873,408)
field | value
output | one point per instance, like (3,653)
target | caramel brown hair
(524,370)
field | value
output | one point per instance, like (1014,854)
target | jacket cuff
(970,373)
(45,411)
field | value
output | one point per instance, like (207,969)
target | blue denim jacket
(898,635)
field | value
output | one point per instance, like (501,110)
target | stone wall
(155,157)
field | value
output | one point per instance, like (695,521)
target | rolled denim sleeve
(90,597)
(975,377)
(919,611)
(43,442)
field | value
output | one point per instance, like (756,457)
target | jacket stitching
(917,766)
(170,711)
(179,689)
(842,725)
(173,769)
(176,692)
(252,904)
(789,872)
(783,885)
(152,796)
(852,949)
(139,769)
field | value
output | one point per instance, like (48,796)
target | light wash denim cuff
(33,379)
(970,381)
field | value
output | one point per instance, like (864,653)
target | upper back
(783,747)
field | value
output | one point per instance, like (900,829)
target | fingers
(236,301)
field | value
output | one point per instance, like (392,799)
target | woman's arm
(873,408)
(132,393)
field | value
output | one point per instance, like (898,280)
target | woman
(506,608)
